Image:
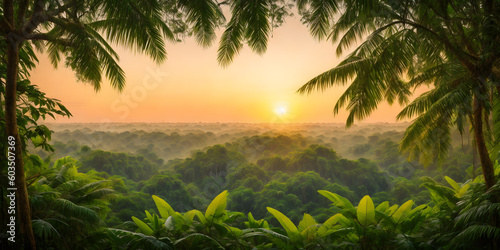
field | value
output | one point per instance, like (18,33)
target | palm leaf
(44,229)
(205,16)
(69,208)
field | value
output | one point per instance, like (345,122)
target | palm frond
(231,41)
(475,234)
(205,16)
(69,208)
(345,71)
(44,229)
(482,213)
(258,28)
(321,14)
(98,194)
(135,26)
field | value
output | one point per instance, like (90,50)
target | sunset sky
(191,87)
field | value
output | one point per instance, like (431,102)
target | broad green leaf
(251,219)
(402,210)
(333,220)
(308,226)
(143,226)
(163,207)
(149,216)
(462,190)
(251,223)
(263,224)
(217,207)
(306,222)
(452,183)
(418,208)
(285,222)
(337,200)
(382,207)
(366,211)
(236,232)
(189,215)
(392,209)
(201,217)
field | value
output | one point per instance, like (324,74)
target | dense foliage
(259,189)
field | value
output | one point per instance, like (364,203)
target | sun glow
(280,110)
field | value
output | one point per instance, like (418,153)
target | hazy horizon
(191,87)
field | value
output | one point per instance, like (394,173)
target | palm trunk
(474,158)
(23,207)
(486,163)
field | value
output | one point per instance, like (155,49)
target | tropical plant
(66,205)
(452,47)
(447,44)
(210,230)
(380,227)
(464,215)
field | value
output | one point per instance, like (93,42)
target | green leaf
(149,216)
(163,207)
(392,209)
(44,229)
(217,207)
(306,222)
(285,222)
(452,183)
(189,215)
(337,200)
(143,226)
(334,219)
(366,211)
(156,222)
(201,217)
(399,214)
(235,232)
(382,207)
(308,227)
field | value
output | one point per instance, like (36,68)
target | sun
(280,110)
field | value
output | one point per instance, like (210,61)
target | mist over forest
(261,165)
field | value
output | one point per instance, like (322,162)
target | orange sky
(191,87)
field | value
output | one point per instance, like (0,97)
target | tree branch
(36,19)
(48,38)
(23,7)
(62,9)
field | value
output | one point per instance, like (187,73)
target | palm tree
(79,32)
(452,45)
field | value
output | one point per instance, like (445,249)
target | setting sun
(280,110)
